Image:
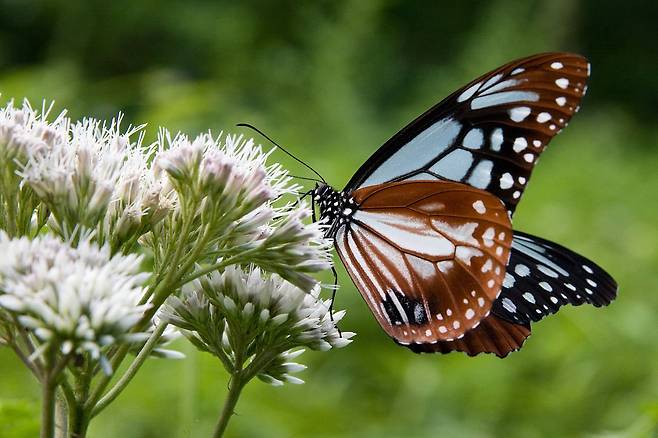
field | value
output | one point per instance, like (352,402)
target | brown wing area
(493,335)
(428,257)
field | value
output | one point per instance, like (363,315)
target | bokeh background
(332,80)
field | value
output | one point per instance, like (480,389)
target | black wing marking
(490,133)
(543,276)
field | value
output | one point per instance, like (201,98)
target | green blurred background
(332,80)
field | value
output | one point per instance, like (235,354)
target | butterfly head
(336,208)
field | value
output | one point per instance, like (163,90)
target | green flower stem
(236,385)
(48,393)
(131,371)
(78,419)
(61,416)
(48,400)
(159,296)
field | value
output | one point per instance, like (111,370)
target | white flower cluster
(24,131)
(99,178)
(235,193)
(71,299)
(293,248)
(246,314)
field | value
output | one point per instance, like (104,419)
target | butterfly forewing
(428,256)
(490,133)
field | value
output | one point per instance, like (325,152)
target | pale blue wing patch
(418,153)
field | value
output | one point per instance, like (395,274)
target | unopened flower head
(223,312)
(74,299)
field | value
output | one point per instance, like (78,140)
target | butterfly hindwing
(490,133)
(428,256)
(543,276)
(493,335)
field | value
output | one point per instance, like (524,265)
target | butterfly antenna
(304,178)
(247,125)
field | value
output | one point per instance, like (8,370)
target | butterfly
(424,227)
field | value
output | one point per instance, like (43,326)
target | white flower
(293,248)
(24,131)
(75,299)
(100,178)
(238,313)
(225,185)
(230,171)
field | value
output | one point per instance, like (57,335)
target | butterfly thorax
(336,208)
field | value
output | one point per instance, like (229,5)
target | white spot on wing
(560,100)
(522,270)
(519,114)
(543,117)
(509,305)
(479,207)
(562,83)
(520,143)
(529,297)
(545,286)
(506,181)
(509,280)
(488,236)
(556,65)
(497,139)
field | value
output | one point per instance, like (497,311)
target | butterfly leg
(333,298)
